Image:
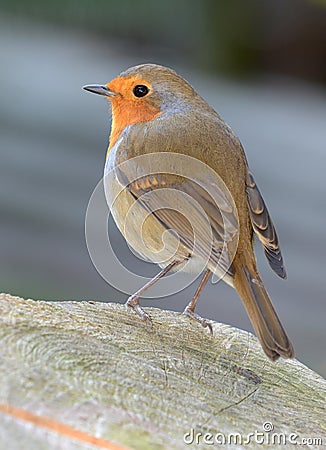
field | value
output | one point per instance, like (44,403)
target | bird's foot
(204,323)
(133,302)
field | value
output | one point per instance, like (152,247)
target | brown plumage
(157,111)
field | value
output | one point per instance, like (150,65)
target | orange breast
(127,110)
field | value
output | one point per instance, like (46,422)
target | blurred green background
(260,63)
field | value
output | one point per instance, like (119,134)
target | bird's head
(145,92)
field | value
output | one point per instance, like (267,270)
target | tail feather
(262,314)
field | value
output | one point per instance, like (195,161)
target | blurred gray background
(261,64)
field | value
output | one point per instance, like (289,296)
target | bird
(160,121)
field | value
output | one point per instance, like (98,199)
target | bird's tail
(262,314)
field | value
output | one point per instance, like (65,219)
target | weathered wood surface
(97,368)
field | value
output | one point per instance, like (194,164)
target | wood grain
(96,368)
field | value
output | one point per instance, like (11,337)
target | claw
(204,323)
(133,302)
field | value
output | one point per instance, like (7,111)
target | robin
(157,112)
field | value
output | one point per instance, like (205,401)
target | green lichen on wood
(99,368)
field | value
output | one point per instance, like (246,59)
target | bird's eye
(140,90)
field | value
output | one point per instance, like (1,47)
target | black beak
(99,89)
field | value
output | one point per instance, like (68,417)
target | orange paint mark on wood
(58,427)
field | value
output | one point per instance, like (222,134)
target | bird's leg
(190,308)
(133,300)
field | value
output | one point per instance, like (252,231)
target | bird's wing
(205,234)
(263,226)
